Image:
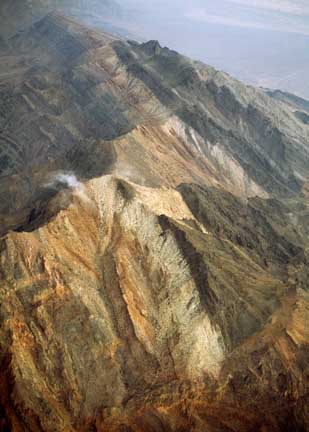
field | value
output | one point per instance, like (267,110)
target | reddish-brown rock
(154,243)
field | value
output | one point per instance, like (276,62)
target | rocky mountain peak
(151,47)
(153,241)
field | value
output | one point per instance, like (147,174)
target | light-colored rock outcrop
(154,242)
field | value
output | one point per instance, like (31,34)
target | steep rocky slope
(76,100)
(134,309)
(154,242)
(16,15)
(295,102)
(299,106)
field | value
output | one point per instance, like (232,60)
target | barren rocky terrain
(154,241)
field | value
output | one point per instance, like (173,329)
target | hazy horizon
(260,42)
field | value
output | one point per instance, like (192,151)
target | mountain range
(154,237)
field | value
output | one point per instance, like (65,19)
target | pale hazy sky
(278,15)
(264,42)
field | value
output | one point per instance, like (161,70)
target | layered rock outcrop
(133,309)
(154,242)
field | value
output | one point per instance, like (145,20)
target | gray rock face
(68,92)
(153,241)
(16,15)
(302,117)
(264,137)
(295,102)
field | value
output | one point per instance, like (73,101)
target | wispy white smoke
(70,181)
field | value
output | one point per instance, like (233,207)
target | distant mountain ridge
(154,241)
(18,14)
(289,98)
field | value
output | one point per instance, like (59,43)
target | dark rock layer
(154,242)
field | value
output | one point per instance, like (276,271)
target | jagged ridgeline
(68,92)
(154,238)
(17,15)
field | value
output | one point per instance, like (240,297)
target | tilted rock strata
(77,100)
(129,312)
(154,241)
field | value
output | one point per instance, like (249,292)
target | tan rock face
(125,312)
(154,242)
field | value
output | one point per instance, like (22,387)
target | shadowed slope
(171,294)
(128,311)
(75,100)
